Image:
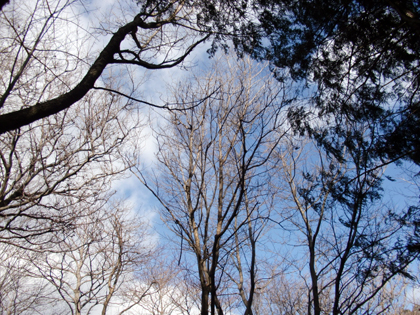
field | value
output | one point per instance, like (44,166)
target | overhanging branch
(25,116)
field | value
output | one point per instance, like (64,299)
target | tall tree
(212,176)
(360,62)
(351,245)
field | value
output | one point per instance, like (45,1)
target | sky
(153,88)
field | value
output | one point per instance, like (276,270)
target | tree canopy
(270,163)
(362,56)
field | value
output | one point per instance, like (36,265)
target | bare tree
(40,53)
(211,181)
(50,167)
(44,45)
(90,268)
(285,294)
(173,291)
(334,206)
(20,293)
